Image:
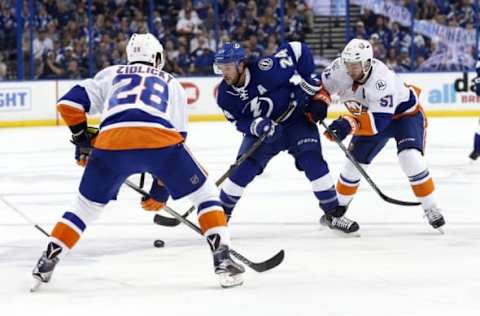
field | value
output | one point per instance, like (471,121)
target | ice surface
(399,266)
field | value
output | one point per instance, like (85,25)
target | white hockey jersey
(373,104)
(141,106)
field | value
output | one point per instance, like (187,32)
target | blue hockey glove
(342,127)
(84,144)
(157,198)
(265,126)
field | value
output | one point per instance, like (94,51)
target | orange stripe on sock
(212,219)
(424,188)
(345,189)
(65,234)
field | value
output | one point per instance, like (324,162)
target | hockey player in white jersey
(143,128)
(381,107)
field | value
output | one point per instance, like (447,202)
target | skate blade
(339,233)
(227,280)
(440,230)
(36,285)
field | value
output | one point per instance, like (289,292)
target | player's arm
(367,123)
(85,97)
(232,114)
(248,125)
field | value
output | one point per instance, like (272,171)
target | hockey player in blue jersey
(252,95)
(476,139)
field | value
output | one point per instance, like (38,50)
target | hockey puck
(159,243)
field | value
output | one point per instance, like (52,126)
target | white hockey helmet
(358,50)
(145,48)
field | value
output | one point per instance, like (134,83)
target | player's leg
(99,184)
(410,138)
(363,149)
(233,187)
(476,145)
(184,178)
(306,148)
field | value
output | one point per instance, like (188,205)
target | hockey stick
(257,266)
(364,173)
(11,206)
(168,221)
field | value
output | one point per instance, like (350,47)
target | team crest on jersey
(258,104)
(354,107)
(265,64)
(381,84)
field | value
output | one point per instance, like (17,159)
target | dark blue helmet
(231,52)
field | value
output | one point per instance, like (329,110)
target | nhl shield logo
(265,64)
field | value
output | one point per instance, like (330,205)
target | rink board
(32,103)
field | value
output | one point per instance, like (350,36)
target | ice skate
(43,270)
(229,272)
(340,224)
(435,218)
(474,155)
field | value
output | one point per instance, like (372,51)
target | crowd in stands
(396,45)
(187,29)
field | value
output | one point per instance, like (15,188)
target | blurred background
(56,39)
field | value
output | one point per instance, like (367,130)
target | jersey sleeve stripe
(77,97)
(297,49)
(71,115)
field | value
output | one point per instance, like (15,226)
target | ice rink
(399,265)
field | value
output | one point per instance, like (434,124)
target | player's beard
(233,80)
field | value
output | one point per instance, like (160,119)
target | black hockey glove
(83,144)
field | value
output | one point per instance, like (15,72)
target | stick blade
(165,221)
(261,266)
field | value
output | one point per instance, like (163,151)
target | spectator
(51,69)
(3,68)
(73,71)
(188,23)
(404,63)
(41,44)
(185,61)
(204,60)
(379,51)
(359,31)
(391,60)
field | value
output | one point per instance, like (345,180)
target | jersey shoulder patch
(381,84)
(265,63)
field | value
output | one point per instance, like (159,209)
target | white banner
(448,35)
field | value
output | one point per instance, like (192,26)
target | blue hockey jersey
(271,84)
